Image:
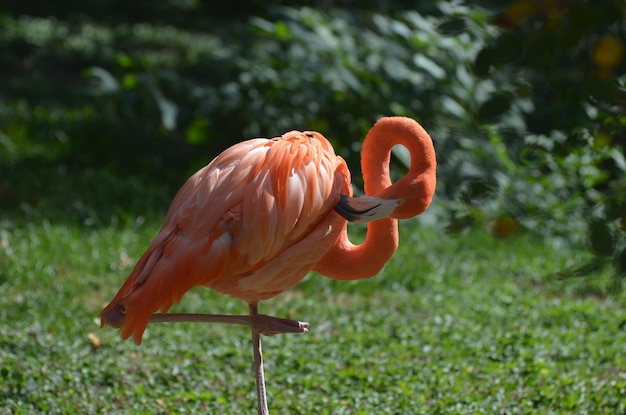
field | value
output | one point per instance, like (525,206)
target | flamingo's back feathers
(237,226)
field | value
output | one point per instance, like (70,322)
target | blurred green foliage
(559,111)
(107,89)
(525,99)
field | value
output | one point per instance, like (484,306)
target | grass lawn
(462,324)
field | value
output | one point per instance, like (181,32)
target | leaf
(618,158)
(130,81)
(484,61)
(262,26)
(496,106)
(105,81)
(124,61)
(198,131)
(282,32)
(453,26)
(169,110)
(505,50)
(429,66)
(601,238)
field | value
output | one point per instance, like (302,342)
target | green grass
(463,324)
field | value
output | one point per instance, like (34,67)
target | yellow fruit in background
(519,10)
(609,52)
(503,227)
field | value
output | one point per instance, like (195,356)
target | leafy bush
(558,110)
(142,93)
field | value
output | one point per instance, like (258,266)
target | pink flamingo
(265,212)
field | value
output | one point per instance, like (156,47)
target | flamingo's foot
(270,326)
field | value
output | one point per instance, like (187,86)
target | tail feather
(131,308)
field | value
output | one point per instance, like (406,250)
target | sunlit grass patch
(456,324)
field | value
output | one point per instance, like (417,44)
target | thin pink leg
(258,323)
(265,324)
(258,365)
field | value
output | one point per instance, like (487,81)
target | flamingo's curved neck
(346,261)
(417,187)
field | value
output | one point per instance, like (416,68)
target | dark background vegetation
(525,101)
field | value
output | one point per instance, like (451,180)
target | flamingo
(253,222)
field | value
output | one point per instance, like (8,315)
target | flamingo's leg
(264,324)
(258,323)
(258,365)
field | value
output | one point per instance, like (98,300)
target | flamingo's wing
(251,204)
